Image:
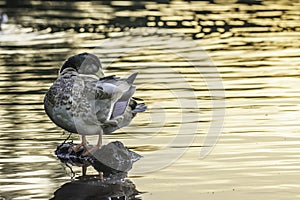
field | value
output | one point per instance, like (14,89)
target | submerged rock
(111,159)
(66,153)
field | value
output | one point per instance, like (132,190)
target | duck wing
(120,106)
(119,92)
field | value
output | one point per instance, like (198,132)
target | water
(255,46)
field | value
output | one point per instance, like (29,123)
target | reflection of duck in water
(85,102)
(3,19)
(88,187)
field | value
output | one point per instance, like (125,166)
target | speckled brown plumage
(85,103)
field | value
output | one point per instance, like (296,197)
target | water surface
(254,45)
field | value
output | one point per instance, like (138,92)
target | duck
(3,19)
(82,100)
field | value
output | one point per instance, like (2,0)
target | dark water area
(224,69)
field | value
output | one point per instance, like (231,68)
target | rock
(111,159)
(114,158)
(66,153)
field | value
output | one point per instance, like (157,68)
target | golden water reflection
(255,46)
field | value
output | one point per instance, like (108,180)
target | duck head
(84,63)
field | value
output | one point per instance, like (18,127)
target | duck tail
(131,78)
(140,107)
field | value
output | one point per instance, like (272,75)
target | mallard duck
(84,101)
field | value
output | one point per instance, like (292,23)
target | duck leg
(97,146)
(84,168)
(99,143)
(101,176)
(83,143)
